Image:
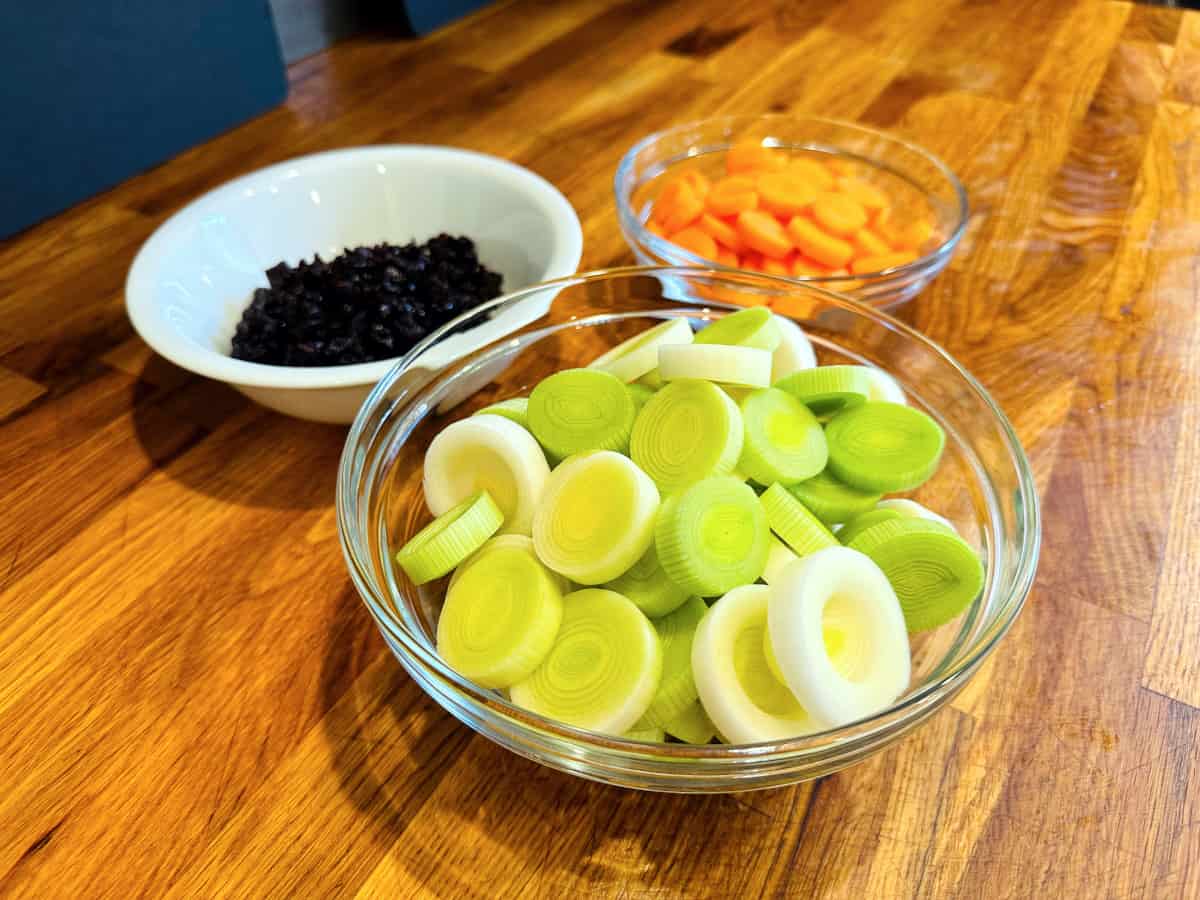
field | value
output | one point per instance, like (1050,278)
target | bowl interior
(918,184)
(983,486)
(957,491)
(196,274)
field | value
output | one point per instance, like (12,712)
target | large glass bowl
(918,183)
(984,485)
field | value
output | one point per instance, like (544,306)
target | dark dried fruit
(368,304)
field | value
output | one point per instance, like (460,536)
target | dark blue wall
(93,92)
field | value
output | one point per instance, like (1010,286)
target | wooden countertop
(193,701)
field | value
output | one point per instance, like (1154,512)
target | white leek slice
(746,703)
(795,350)
(839,635)
(487,453)
(914,510)
(740,366)
(638,356)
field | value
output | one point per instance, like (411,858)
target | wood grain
(193,702)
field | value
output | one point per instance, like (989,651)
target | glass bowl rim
(933,260)
(809,745)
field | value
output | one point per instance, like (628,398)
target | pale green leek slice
(515,409)
(649,587)
(687,431)
(677,689)
(796,526)
(603,669)
(935,573)
(751,327)
(596,518)
(884,447)
(450,538)
(784,442)
(578,410)
(827,390)
(831,500)
(692,726)
(500,617)
(713,536)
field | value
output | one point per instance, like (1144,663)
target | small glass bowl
(984,486)
(917,182)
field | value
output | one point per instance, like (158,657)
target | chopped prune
(367,304)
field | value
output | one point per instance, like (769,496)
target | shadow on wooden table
(214,441)
(445,806)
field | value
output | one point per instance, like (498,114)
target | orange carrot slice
(727,257)
(819,245)
(684,211)
(839,166)
(777,266)
(868,243)
(763,232)
(751,156)
(797,305)
(698,182)
(752,260)
(725,234)
(696,241)
(656,229)
(914,235)
(785,193)
(838,214)
(666,200)
(865,264)
(869,197)
(732,195)
(813,172)
(803,267)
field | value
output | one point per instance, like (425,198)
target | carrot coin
(785,193)
(751,156)
(819,245)
(732,195)
(915,235)
(871,198)
(685,210)
(696,241)
(698,182)
(838,213)
(725,234)
(763,233)
(796,305)
(865,264)
(666,200)
(752,260)
(727,257)
(839,166)
(655,229)
(803,267)
(813,172)
(777,266)
(868,243)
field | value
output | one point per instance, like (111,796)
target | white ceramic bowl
(194,276)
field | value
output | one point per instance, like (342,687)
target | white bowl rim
(164,341)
